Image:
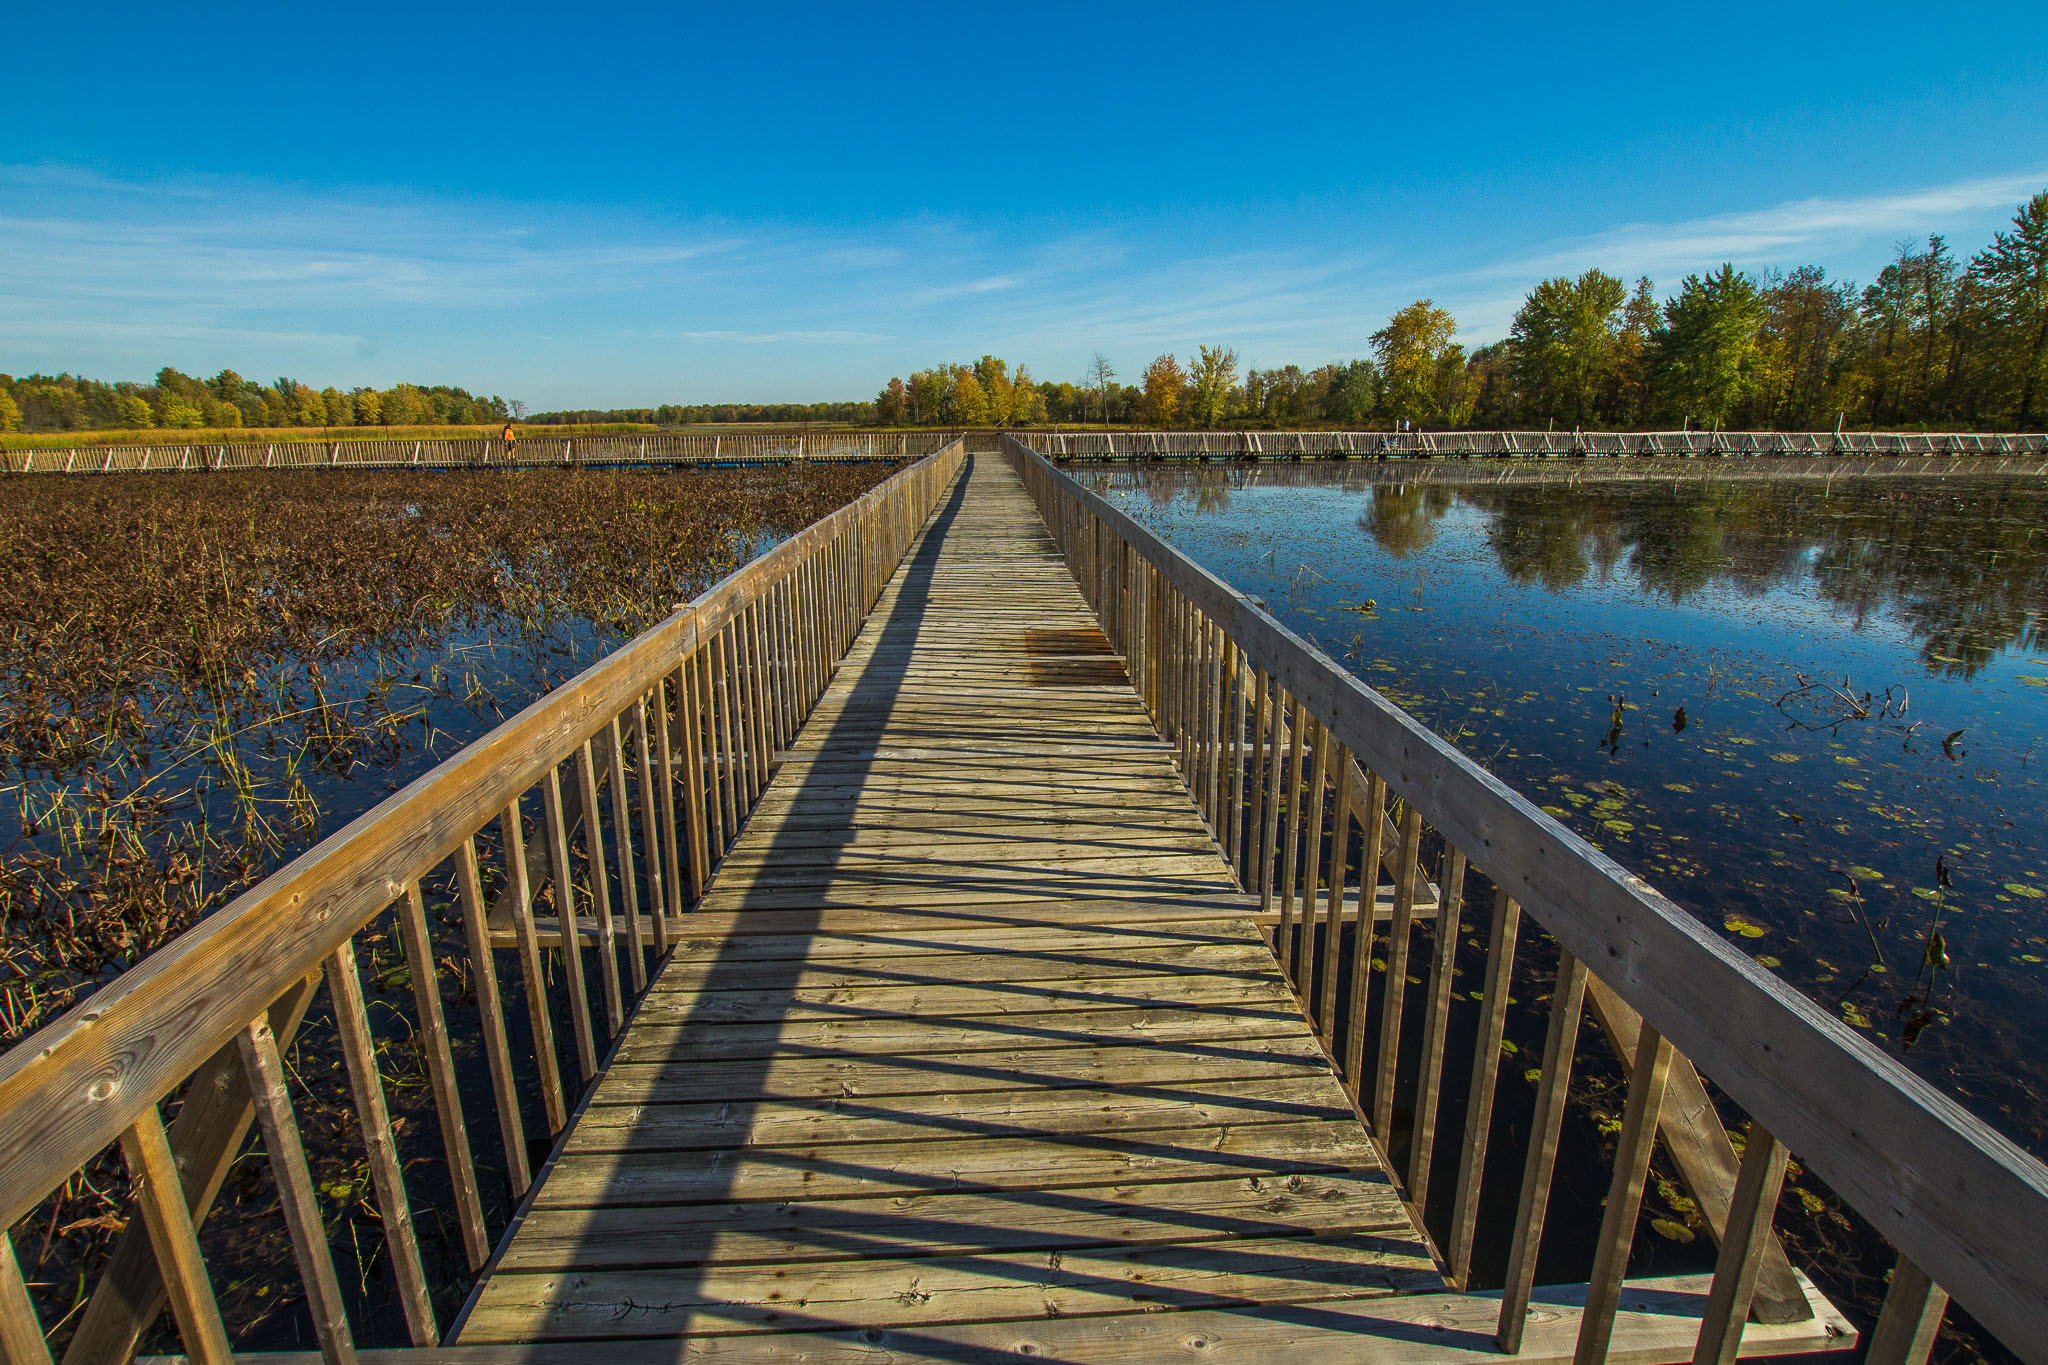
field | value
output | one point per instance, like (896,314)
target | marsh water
(1812,709)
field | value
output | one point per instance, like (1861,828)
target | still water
(1812,710)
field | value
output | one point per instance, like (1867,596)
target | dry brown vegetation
(200,673)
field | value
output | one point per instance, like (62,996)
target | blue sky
(630,205)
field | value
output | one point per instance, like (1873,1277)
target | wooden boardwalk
(979,1031)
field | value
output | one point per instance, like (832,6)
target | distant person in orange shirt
(511,439)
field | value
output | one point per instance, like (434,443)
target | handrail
(1254,445)
(535,449)
(1967,1209)
(696,707)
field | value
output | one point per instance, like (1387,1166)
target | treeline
(1936,342)
(65,402)
(846,413)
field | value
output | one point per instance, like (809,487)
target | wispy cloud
(574,306)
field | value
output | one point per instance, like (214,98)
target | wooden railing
(1324,796)
(534,450)
(612,798)
(1168,445)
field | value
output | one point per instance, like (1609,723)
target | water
(1814,711)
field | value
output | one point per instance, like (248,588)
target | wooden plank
(898,1293)
(1743,1245)
(920,1222)
(300,1205)
(1024,1112)
(1500,961)
(154,1182)
(797,1075)
(491,1016)
(1910,1319)
(1631,1166)
(380,1144)
(21,1334)
(432,1040)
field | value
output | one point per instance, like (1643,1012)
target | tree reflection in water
(1543,593)
(1964,568)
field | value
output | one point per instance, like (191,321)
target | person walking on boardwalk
(510,436)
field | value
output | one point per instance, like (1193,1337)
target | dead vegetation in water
(201,675)
(198,674)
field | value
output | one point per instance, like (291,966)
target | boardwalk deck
(985,1031)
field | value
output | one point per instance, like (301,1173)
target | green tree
(2012,274)
(1210,377)
(10,413)
(135,413)
(1707,350)
(1411,350)
(891,403)
(1565,345)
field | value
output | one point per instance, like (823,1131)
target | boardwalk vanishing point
(989,883)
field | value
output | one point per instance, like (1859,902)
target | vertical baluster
(1567,1000)
(650,832)
(665,788)
(565,908)
(380,1144)
(440,1060)
(1291,849)
(1337,870)
(532,973)
(757,697)
(1251,874)
(716,838)
(600,889)
(1500,961)
(1910,1319)
(1399,932)
(684,683)
(1211,702)
(1313,934)
(744,718)
(1269,836)
(153,1180)
(295,1192)
(1435,1023)
(490,1008)
(1743,1246)
(1624,1195)
(726,769)
(1235,709)
(21,1334)
(629,881)
(1371,822)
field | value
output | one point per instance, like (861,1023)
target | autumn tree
(1162,385)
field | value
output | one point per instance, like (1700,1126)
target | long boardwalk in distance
(974,1025)
(971,931)
(975,1042)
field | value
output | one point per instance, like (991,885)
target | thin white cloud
(1650,248)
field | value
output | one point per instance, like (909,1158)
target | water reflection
(1965,570)
(1556,621)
